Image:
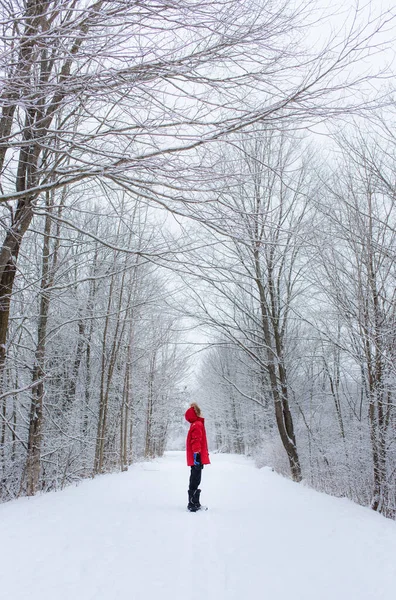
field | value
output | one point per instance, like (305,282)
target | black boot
(191,505)
(193,500)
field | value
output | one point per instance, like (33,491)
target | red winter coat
(196,438)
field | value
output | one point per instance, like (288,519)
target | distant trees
(226,387)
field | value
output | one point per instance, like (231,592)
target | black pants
(195,477)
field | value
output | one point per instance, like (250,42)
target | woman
(197,454)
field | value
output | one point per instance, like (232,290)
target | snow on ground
(129,537)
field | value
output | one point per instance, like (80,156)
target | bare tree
(255,271)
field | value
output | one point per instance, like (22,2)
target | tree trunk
(283,415)
(36,408)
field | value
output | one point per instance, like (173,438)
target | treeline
(93,369)
(299,291)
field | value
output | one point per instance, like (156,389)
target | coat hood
(191,415)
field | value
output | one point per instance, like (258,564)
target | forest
(198,203)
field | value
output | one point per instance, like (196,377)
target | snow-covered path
(129,537)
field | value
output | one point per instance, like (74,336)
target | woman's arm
(196,437)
